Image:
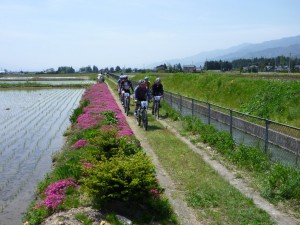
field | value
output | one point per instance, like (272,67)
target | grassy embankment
(277,100)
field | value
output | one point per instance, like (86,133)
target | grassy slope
(277,100)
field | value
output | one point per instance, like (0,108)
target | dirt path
(186,214)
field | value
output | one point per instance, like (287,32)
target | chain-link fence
(279,140)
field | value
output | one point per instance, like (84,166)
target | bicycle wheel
(126,106)
(155,109)
(145,119)
(138,118)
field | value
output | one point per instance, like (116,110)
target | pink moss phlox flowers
(154,192)
(55,193)
(79,144)
(101,100)
(86,164)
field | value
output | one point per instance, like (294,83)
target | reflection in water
(32,126)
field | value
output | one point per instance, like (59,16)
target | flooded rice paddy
(32,123)
(61,82)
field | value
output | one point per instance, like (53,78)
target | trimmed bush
(123,178)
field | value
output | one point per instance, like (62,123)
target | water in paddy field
(32,123)
(61,82)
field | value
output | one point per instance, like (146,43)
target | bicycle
(126,97)
(156,106)
(142,116)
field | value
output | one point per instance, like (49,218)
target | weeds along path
(186,214)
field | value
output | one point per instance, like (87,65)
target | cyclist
(148,83)
(157,90)
(141,93)
(121,77)
(118,83)
(125,86)
(100,78)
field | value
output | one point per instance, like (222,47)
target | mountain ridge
(287,46)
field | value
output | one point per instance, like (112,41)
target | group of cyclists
(144,91)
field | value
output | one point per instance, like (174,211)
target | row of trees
(218,65)
(68,69)
(90,69)
(94,69)
(256,64)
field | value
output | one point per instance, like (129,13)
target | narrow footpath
(186,215)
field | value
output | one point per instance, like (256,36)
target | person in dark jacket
(141,93)
(157,90)
(125,86)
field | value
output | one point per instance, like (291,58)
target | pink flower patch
(101,100)
(55,193)
(79,144)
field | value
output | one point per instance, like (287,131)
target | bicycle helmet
(142,82)
(157,80)
(146,79)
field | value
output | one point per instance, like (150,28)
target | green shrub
(110,117)
(192,124)
(123,178)
(86,134)
(171,113)
(109,145)
(78,111)
(35,216)
(282,182)
(251,158)
(224,142)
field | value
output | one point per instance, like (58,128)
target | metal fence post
(297,157)
(230,122)
(180,107)
(208,113)
(192,107)
(267,135)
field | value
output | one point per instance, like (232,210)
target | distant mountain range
(285,46)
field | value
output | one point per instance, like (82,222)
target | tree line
(279,63)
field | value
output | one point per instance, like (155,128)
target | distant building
(189,68)
(250,69)
(282,68)
(161,68)
(297,67)
(269,69)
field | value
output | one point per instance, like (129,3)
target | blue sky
(40,34)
